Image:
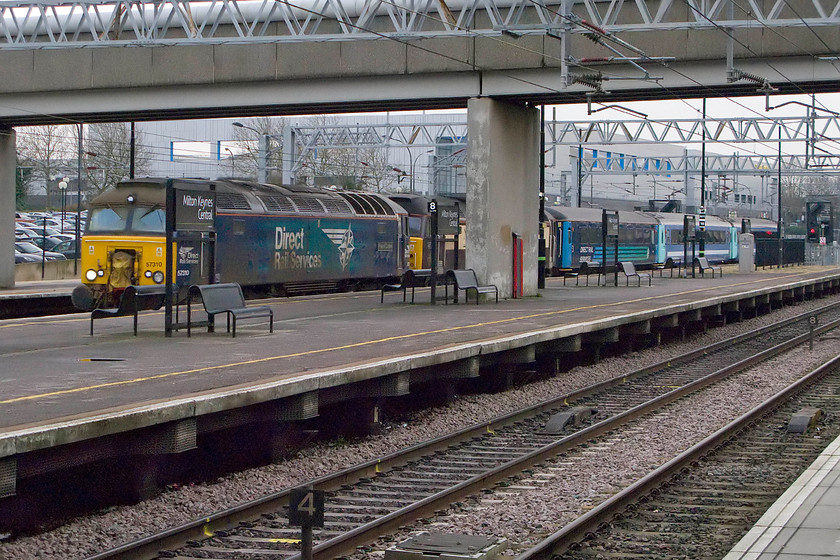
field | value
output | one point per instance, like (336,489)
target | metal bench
(466,280)
(703,265)
(225,298)
(410,279)
(586,269)
(133,300)
(629,270)
(671,264)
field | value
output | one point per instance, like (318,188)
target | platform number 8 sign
(306,507)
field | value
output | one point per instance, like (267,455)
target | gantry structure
(805,145)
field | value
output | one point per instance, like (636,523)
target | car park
(47,243)
(66,248)
(32,249)
(51,223)
(25,258)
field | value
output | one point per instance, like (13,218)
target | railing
(33,24)
(767,252)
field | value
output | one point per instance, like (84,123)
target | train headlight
(90,275)
(158,277)
(148,274)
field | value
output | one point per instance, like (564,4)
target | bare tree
(245,157)
(107,156)
(23,182)
(352,168)
(47,149)
(379,175)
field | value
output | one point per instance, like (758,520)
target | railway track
(380,496)
(701,503)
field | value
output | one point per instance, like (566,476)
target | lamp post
(232,162)
(62,186)
(262,153)
(80,135)
(414,165)
(779,223)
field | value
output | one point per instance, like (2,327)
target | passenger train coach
(270,239)
(575,238)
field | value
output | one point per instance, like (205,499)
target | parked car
(47,243)
(25,258)
(32,249)
(67,248)
(51,222)
(39,231)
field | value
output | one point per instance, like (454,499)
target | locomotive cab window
(415,226)
(107,219)
(149,220)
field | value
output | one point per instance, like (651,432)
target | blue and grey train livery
(575,238)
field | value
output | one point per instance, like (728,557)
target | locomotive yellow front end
(124,244)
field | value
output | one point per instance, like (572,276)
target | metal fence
(767,252)
(827,255)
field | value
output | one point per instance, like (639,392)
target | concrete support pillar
(8,165)
(502,191)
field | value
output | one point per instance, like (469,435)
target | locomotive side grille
(232,201)
(308,205)
(277,203)
(336,206)
(367,204)
(378,204)
(357,207)
(361,205)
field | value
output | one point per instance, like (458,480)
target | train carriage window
(676,237)
(149,220)
(717,236)
(108,219)
(590,234)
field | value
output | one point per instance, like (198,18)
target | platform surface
(804,522)
(53,371)
(39,288)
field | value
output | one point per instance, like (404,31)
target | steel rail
(364,534)
(148,547)
(588,523)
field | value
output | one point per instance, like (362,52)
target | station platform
(39,288)
(804,522)
(33,298)
(61,387)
